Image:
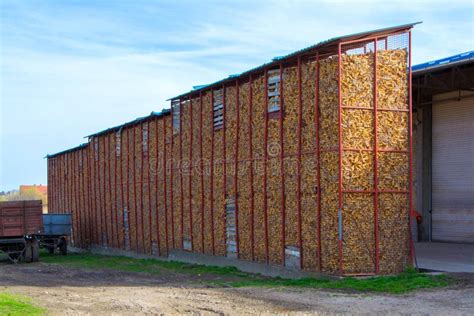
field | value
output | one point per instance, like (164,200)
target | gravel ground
(68,291)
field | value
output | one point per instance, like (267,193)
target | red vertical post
(135,188)
(410,136)
(157,208)
(172,162)
(118,159)
(282,168)
(77,194)
(180,169)
(224,129)
(128,183)
(103,195)
(84,197)
(318,159)
(236,168)
(142,186)
(121,187)
(340,150)
(376,180)
(165,191)
(212,173)
(109,162)
(298,166)
(252,200)
(99,208)
(89,191)
(265,161)
(60,185)
(191,165)
(150,217)
(202,170)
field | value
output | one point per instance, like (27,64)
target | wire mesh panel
(374,154)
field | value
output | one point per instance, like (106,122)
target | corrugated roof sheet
(134,122)
(67,150)
(444,62)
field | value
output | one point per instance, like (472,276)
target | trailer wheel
(50,249)
(63,246)
(35,251)
(28,253)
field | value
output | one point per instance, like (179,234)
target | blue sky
(70,68)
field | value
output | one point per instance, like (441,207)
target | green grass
(17,305)
(92,261)
(407,281)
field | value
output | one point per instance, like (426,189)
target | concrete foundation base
(196,258)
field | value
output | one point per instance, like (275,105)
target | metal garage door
(453,170)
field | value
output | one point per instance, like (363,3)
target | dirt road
(67,291)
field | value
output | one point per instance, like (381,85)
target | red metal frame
(236,169)
(265,205)
(318,162)
(298,166)
(128,183)
(103,197)
(252,201)
(282,169)
(80,197)
(60,191)
(135,200)
(142,190)
(116,239)
(122,205)
(180,169)
(376,179)
(212,174)
(85,197)
(150,216)
(190,173)
(89,191)
(224,189)
(202,171)
(157,208)
(340,204)
(97,191)
(410,157)
(172,162)
(110,189)
(165,191)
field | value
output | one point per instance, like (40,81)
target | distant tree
(26,195)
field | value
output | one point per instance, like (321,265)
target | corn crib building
(303,162)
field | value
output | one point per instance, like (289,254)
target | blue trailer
(56,231)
